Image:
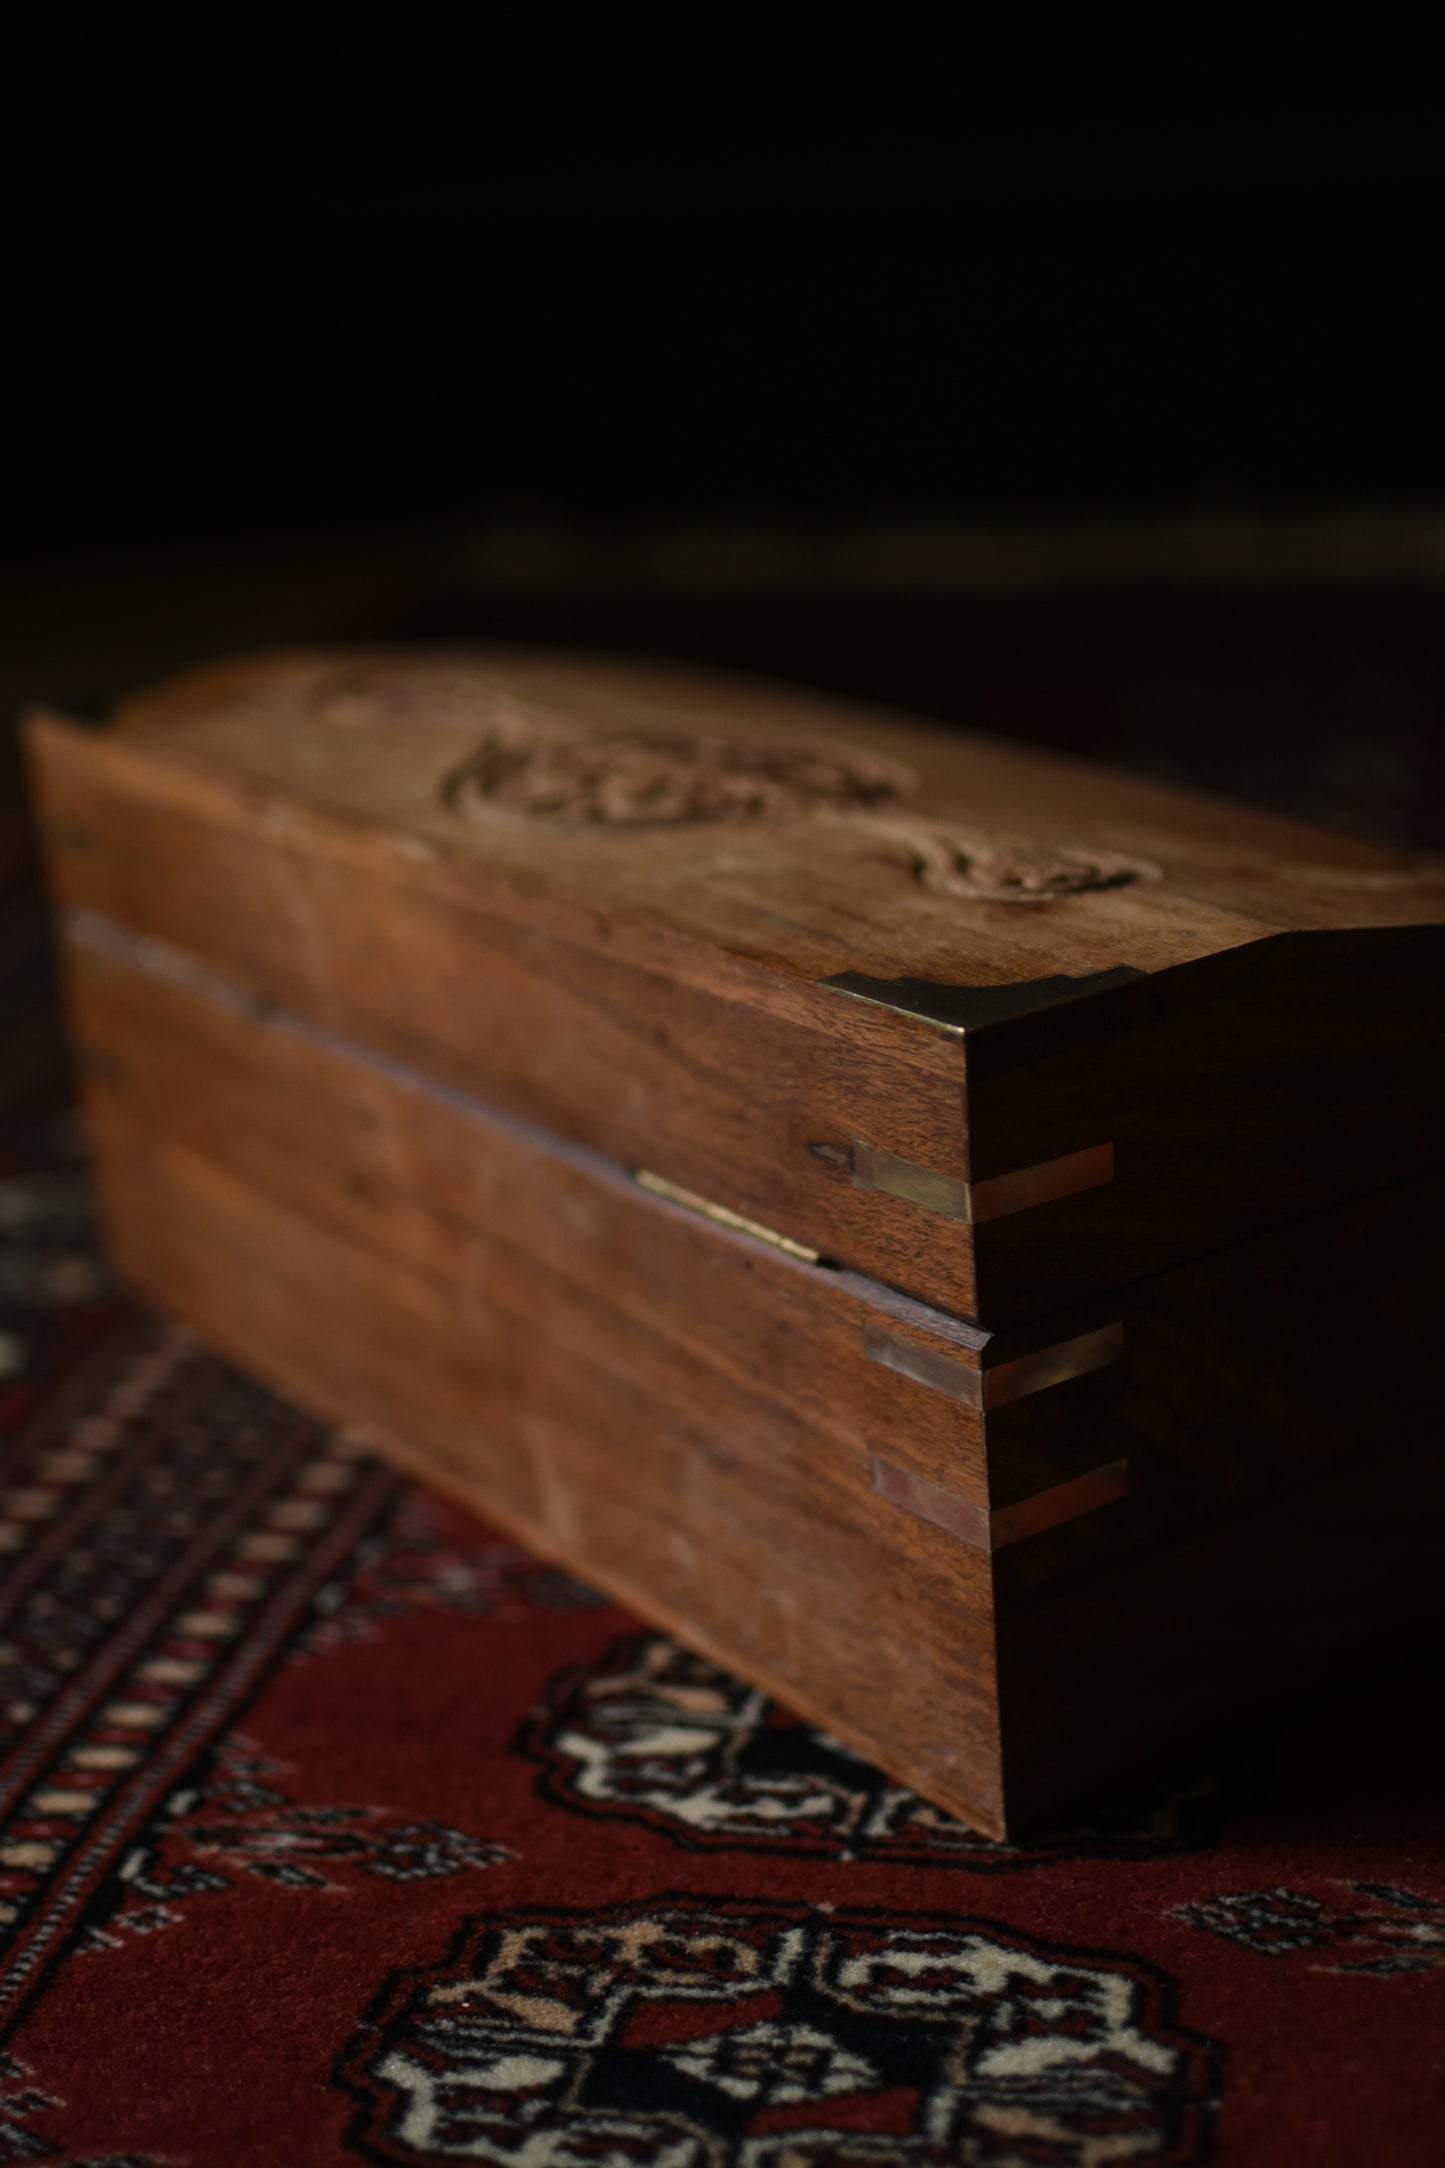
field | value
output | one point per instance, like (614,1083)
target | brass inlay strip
(975,1202)
(1052,1366)
(925,1365)
(1062,1502)
(1050,1179)
(874,1168)
(723,1215)
(995,1388)
(929,1502)
(985,1531)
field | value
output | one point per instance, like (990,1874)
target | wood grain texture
(695,1419)
(1229,865)
(730,1080)
(588,1468)
(1263,1040)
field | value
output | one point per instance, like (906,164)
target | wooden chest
(950,1233)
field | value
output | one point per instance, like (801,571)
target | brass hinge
(723,1215)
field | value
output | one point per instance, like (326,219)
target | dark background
(1111,432)
(303,304)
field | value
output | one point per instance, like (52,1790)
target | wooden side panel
(714,1511)
(828,1486)
(688,1416)
(381,1155)
(749,1091)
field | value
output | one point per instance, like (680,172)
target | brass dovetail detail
(876,1169)
(992,1531)
(995,1387)
(973,1203)
(1065,1176)
(1052,1366)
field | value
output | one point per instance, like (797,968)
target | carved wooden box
(947,1231)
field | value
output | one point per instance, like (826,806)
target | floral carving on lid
(606,768)
(546,769)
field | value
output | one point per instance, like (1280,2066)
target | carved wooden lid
(824,838)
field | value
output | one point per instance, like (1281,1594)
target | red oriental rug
(335,1827)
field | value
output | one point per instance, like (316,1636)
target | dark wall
(389,298)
